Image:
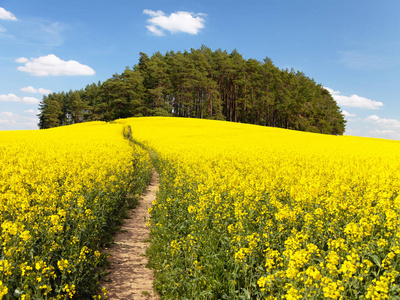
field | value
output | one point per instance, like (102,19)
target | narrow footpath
(129,278)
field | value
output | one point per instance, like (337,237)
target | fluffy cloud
(332,92)
(388,123)
(347,114)
(354,100)
(14,98)
(52,65)
(6,15)
(7,117)
(22,60)
(180,21)
(379,132)
(384,134)
(31,89)
(12,121)
(352,131)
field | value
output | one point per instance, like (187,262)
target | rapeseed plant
(62,192)
(250,212)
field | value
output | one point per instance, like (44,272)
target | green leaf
(376,260)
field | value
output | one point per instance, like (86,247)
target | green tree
(201,83)
(50,112)
(123,96)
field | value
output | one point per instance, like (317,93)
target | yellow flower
(62,264)
(3,290)
(261,283)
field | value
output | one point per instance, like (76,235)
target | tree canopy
(201,84)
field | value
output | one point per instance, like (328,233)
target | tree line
(201,83)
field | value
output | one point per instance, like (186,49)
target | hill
(201,84)
(253,212)
(242,211)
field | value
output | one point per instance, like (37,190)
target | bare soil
(129,278)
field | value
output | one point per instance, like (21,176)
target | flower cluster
(62,191)
(249,212)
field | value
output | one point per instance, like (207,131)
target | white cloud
(6,15)
(12,121)
(378,132)
(6,121)
(54,66)
(31,89)
(357,101)
(372,118)
(153,13)
(31,111)
(332,91)
(354,100)
(10,98)
(14,98)
(352,131)
(347,114)
(155,30)
(388,123)
(7,114)
(22,60)
(384,134)
(2,29)
(355,120)
(8,118)
(180,21)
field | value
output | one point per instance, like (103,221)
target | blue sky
(350,47)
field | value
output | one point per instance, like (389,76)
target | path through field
(129,278)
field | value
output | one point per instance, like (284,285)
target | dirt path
(129,278)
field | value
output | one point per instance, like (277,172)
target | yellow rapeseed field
(249,212)
(243,211)
(62,191)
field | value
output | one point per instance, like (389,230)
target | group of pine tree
(201,84)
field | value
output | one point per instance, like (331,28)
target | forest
(201,83)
